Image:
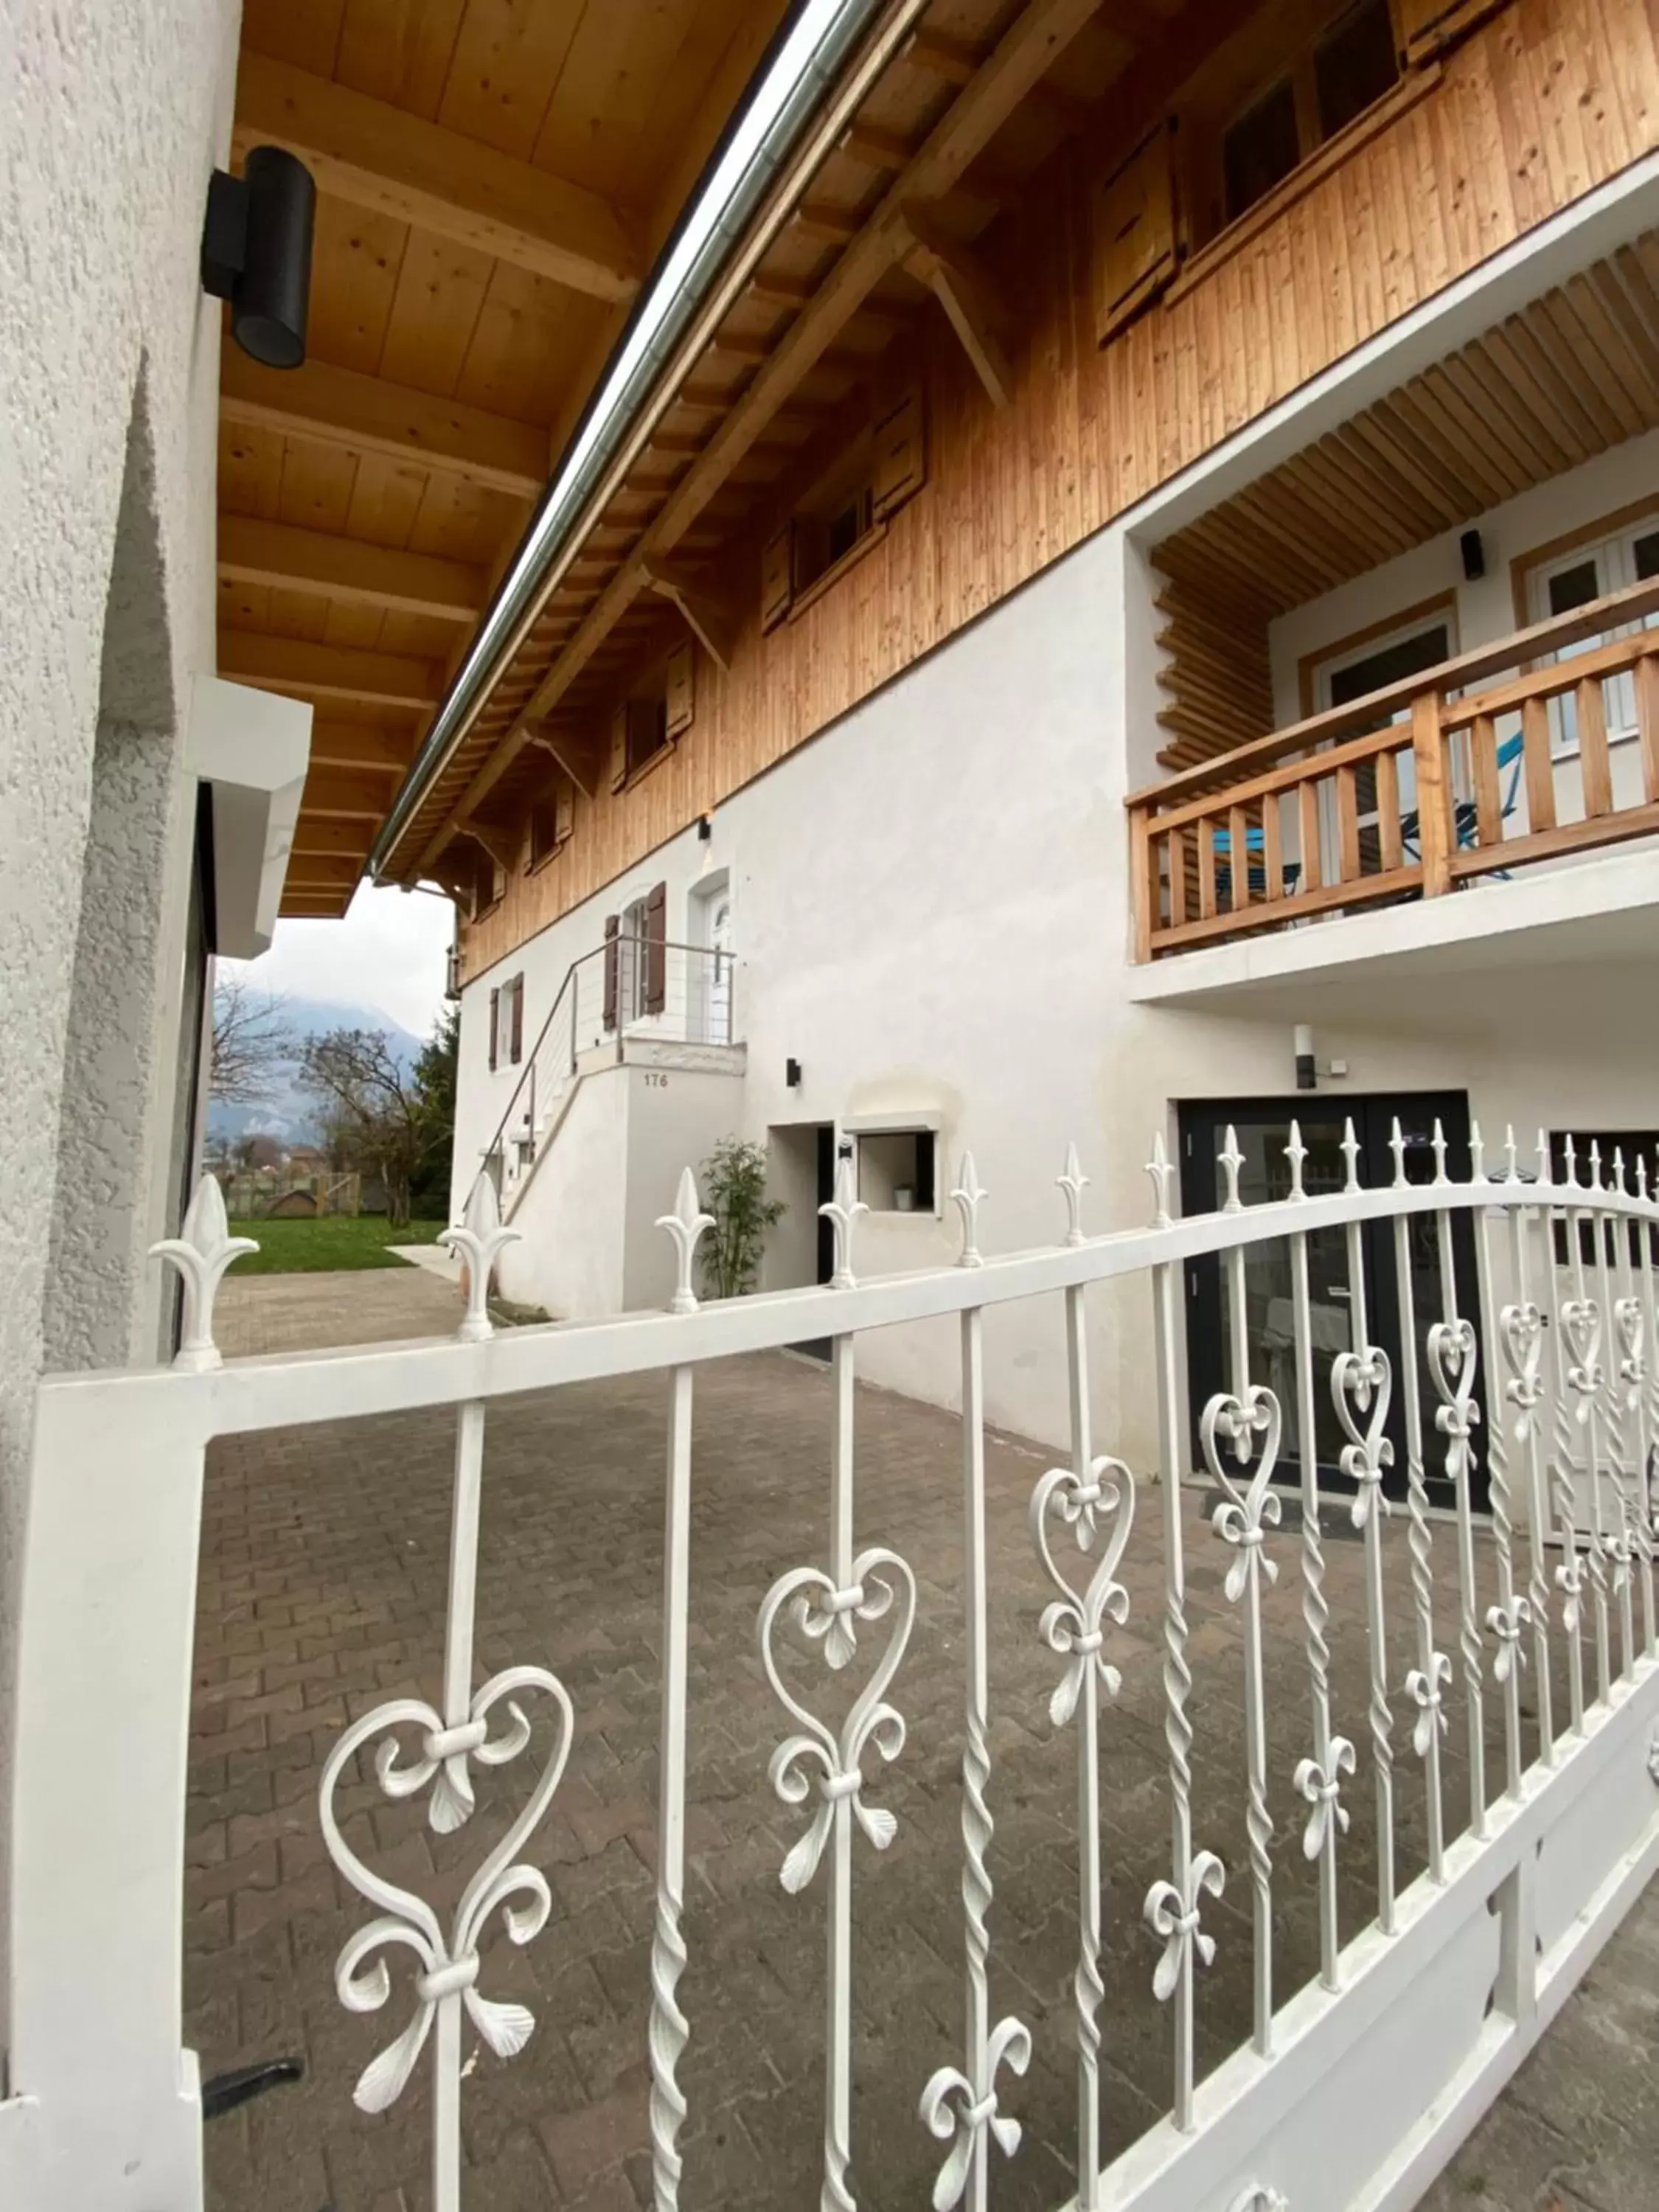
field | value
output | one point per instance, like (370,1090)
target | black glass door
(1263,1128)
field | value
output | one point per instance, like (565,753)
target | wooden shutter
(612,968)
(777,577)
(682,693)
(1134,232)
(1427,27)
(515,1049)
(564,809)
(900,464)
(656,949)
(619,748)
(495,1026)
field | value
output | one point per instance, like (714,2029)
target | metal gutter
(677,295)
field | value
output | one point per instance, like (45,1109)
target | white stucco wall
(112,118)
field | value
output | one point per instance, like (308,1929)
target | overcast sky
(388,953)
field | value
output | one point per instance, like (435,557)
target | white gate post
(107,1631)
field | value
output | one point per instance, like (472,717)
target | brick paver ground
(323,1591)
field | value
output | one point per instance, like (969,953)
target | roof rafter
(366,415)
(348,569)
(375,156)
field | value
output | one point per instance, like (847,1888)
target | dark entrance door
(1263,1127)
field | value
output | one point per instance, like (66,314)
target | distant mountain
(289,1113)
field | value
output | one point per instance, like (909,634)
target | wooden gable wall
(1539,105)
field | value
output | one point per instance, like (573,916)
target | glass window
(1592,571)
(1354,64)
(1261,148)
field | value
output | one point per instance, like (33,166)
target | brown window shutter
(777,577)
(619,748)
(899,468)
(612,968)
(1134,232)
(1427,27)
(564,805)
(682,693)
(495,1026)
(516,1049)
(656,949)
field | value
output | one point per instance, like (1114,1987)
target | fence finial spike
(1512,1168)
(1231,1159)
(1160,1171)
(1570,1153)
(1350,1153)
(1397,1146)
(965,1197)
(685,1225)
(1074,1182)
(1640,1176)
(1438,1140)
(841,1211)
(1295,1152)
(1595,1172)
(1618,1169)
(201,1252)
(1544,1167)
(1477,1154)
(480,1239)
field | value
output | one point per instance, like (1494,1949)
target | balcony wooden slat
(1647,720)
(1488,799)
(1594,764)
(1387,811)
(1273,858)
(1540,765)
(1313,873)
(1238,859)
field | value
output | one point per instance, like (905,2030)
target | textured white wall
(112,118)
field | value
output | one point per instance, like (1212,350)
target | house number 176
(656,1082)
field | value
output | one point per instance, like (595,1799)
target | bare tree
(252,1042)
(381,1118)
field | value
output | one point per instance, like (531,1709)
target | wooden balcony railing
(1414,790)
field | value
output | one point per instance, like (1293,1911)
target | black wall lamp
(256,252)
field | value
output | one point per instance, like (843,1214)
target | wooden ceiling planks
(1573,373)
(492,181)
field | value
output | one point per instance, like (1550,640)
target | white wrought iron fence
(1349,2093)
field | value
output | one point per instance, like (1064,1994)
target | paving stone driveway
(323,1591)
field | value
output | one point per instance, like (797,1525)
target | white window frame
(1615,557)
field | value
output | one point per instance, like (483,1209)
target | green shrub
(734,1183)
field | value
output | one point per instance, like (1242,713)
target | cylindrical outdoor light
(256,252)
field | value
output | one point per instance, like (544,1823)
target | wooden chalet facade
(1003,311)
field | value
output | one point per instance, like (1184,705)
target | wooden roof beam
(706,615)
(581,757)
(499,841)
(316,838)
(959,283)
(334,794)
(320,872)
(375,155)
(359,745)
(326,671)
(1027,49)
(347,570)
(366,414)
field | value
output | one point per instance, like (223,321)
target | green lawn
(331,1241)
